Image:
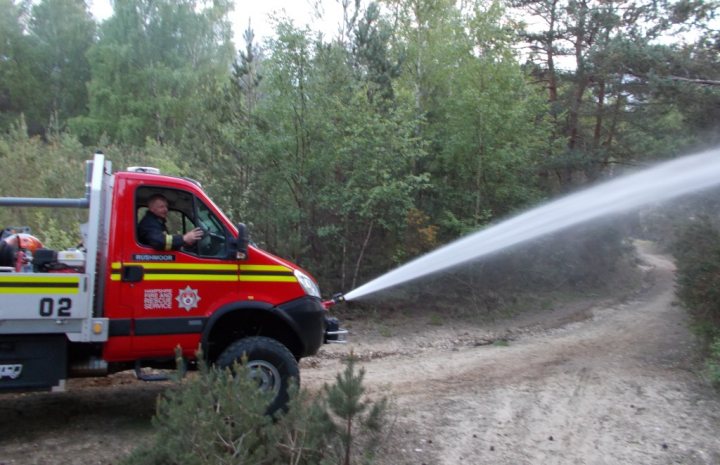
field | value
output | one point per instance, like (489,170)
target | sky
(259,11)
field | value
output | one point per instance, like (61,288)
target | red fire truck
(115,303)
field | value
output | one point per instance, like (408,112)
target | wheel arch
(249,318)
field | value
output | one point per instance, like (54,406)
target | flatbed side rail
(98,180)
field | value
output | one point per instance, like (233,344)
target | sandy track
(615,388)
(609,384)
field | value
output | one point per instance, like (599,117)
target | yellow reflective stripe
(181,277)
(246,272)
(115,271)
(168,242)
(40,279)
(38,290)
(269,279)
(188,277)
(264,268)
(176,266)
(244,267)
(183,266)
(201,266)
(229,275)
(29,285)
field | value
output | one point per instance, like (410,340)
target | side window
(214,240)
(178,216)
(178,223)
(184,213)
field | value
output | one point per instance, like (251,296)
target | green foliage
(55,168)
(53,235)
(331,162)
(479,123)
(19,86)
(614,94)
(712,363)
(697,255)
(350,413)
(165,157)
(350,155)
(33,168)
(43,71)
(214,418)
(219,418)
(64,31)
(577,263)
(152,67)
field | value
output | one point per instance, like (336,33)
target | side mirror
(242,241)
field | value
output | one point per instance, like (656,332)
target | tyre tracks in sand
(618,387)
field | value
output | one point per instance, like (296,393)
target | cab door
(173,292)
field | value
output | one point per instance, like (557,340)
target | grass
(435,320)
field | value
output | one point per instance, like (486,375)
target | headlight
(307,284)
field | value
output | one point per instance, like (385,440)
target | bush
(697,256)
(219,418)
(357,424)
(712,363)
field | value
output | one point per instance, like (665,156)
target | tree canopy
(419,121)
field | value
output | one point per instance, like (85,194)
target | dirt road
(602,384)
(615,388)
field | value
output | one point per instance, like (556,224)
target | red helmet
(24,241)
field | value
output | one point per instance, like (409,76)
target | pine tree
(355,417)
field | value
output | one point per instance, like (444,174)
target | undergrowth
(712,363)
(697,254)
(574,265)
(218,418)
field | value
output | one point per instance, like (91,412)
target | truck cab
(221,296)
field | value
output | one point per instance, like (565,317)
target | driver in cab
(152,230)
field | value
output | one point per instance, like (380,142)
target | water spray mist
(656,184)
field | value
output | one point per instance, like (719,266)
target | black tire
(269,361)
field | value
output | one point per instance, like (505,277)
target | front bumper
(334,334)
(313,327)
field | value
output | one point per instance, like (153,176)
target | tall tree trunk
(616,110)
(599,161)
(585,35)
(550,54)
(362,252)
(599,113)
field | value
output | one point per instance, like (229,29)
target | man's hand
(193,236)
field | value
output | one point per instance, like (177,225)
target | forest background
(417,122)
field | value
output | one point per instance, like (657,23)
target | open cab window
(186,212)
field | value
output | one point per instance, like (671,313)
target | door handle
(132,273)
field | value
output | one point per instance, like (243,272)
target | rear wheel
(270,363)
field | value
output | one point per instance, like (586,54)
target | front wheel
(270,363)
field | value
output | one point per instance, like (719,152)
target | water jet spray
(662,182)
